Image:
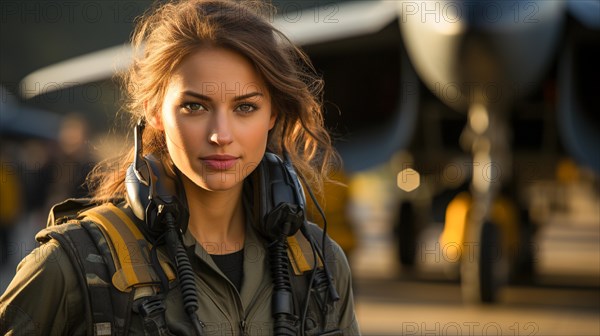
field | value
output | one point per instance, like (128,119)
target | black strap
(97,280)
(121,303)
(107,310)
(67,245)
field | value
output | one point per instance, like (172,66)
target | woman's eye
(246,108)
(194,107)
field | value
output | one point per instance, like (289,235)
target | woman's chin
(219,181)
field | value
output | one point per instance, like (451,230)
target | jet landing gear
(484,271)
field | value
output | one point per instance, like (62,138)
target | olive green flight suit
(44,297)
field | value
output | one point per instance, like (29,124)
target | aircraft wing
(331,34)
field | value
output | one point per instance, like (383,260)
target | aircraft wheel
(407,234)
(485,271)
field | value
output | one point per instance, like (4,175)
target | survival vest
(115,267)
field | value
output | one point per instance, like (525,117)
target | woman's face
(216,115)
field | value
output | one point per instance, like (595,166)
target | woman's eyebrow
(248,95)
(197,95)
(236,98)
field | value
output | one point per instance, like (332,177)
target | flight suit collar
(256,274)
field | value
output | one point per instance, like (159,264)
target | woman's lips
(219,162)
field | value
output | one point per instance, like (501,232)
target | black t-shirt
(232,265)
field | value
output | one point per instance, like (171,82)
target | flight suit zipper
(239,308)
(253,306)
(243,328)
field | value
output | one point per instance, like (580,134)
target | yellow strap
(130,250)
(297,259)
(298,250)
(118,243)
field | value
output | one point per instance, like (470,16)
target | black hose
(319,285)
(185,272)
(310,286)
(285,322)
(333,294)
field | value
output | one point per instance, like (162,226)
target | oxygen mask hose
(282,300)
(185,273)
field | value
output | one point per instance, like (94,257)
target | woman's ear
(154,119)
(273,119)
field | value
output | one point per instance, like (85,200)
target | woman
(217,86)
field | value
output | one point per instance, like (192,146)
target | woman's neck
(217,219)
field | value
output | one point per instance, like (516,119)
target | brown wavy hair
(168,33)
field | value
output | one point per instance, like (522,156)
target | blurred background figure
(39,170)
(11,196)
(73,159)
(27,139)
(42,163)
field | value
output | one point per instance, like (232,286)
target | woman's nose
(220,134)
(219,138)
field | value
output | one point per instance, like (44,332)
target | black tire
(490,262)
(485,272)
(406,228)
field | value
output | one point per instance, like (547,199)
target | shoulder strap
(301,254)
(106,310)
(110,257)
(130,251)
